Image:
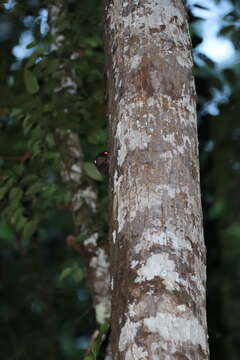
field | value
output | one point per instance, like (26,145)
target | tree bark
(84,194)
(157,246)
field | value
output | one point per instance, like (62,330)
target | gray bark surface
(157,246)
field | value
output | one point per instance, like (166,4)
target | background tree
(83,192)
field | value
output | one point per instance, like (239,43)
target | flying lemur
(102,162)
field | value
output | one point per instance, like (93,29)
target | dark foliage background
(45,307)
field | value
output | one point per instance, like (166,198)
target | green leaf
(104,328)
(49,190)
(15,194)
(4,189)
(20,223)
(66,197)
(18,219)
(36,149)
(34,189)
(91,171)
(32,59)
(65,273)
(74,272)
(63,24)
(48,107)
(27,124)
(98,137)
(50,140)
(93,42)
(37,134)
(16,112)
(53,65)
(63,196)
(97,342)
(78,275)
(31,82)
(18,169)
(29,229)
(81,238)
(31,44)
(6,231)
(29,179)
(90,357)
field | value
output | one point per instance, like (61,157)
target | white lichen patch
(132,310)
(159,265)
(139,139)
(199,277)
(92,240)
(166,155)
(75,173)
(101,281)
(122,210)
(186,141)
(181,308)
(151,101)
(128,333)
(184,60)
(69,84)
(102,310)
(77,200)
(177,329)
(136,352)
(187,103)
(90,197)
(100,261)
(158,13)
(87,196)
(135,61)
(148,196)
(155,236)
(114,236)
(134,263)
(169,138)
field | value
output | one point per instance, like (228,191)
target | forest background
(45,304)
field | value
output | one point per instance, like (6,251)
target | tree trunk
(157,246)
(84,195)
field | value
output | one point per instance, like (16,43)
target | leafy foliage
(96,343)
(38,267)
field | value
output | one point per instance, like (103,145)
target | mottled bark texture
(84,195)
(157,246)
